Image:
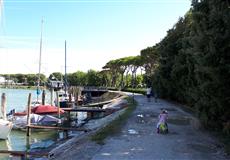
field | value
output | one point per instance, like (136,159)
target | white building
(2,80)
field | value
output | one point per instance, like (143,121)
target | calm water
(17,99)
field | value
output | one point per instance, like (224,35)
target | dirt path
(138,139)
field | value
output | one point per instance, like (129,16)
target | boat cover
(46,109)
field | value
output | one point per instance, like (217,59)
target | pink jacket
(162,117)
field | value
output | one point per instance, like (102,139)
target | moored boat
(5,128)
(5,125)
(40,109)
(20,122)
(64,99)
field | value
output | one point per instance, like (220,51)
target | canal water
(17,99)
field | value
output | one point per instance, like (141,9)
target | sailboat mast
(1,13)
(40,57)
(65,70)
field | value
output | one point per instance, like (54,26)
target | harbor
(114,80)
(42,138)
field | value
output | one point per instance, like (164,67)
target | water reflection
(22,142)
(18,141)
(81,116)
(38,140)
(5,145)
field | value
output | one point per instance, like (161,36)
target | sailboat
(19,118)
(5,125)
(63,97)
(37,102)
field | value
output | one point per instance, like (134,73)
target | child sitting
(162,120)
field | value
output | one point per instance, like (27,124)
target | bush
(135,90)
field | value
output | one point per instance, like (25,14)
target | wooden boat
(5,128)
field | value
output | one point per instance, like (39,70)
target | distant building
(2,80)
(56,85)
(9,82)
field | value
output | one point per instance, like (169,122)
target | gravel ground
(138,139)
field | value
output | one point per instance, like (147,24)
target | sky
(96,31)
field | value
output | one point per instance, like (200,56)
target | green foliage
(113,88)
(77,78)
(190,65)
(31,79)
(194,63)
(58,76)
(135,90)
(26,79)
(93,78)
(139,81)
(20,78)
(119,69)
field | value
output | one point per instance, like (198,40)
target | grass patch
(135,90)
(115,126)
